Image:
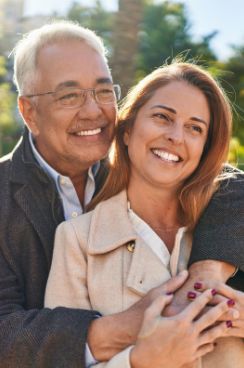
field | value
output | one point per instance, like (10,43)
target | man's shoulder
(232,181)
(5,165)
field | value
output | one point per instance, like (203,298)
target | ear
(27,109)
(126,137)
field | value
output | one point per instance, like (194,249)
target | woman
(171,142)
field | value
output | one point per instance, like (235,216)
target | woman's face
(167,139)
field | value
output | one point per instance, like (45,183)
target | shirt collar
(51,172)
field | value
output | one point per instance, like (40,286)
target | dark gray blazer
(30,211)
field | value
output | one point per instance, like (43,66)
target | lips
(166,156)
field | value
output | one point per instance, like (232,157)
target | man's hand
(109,335)
(200,272)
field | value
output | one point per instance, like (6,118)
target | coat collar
(109,231)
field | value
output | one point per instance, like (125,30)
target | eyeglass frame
(86,90)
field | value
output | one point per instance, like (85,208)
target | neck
(160,209)
(79,182)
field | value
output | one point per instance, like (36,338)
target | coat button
(131,246)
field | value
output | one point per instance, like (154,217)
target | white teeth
(166,156)
(89,132)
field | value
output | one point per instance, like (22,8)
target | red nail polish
(191,295)
(213,292)
(198,285)
(229,324)
(230,303)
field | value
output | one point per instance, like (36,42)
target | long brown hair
(199,187)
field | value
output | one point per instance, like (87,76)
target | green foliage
(236,153)
(95,18)
(8,126)
(233,82)
(165,33)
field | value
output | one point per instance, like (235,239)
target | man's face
(70,139)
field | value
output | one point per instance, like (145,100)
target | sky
(225,16)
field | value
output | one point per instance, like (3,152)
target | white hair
(27,49)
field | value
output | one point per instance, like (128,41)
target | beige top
(101,263)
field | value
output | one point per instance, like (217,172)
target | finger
(212,316)
(237,329)
(155,309)
(193,309)
(220,287)
(204,349)
(175,282)
(231,314)
(213,333)
(217,299)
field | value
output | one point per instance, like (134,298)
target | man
(67,100)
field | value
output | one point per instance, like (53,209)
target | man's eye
(69,96)
(104,92)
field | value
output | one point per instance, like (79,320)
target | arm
(217,240)
(38,338)
(219,235)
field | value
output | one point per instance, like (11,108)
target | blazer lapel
(35,194)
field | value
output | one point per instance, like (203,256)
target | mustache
(87,125)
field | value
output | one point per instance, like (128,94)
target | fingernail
(228,324)
(235,314)
(230,303)
(169,293)
(213,292)
(191,295)
(198,285)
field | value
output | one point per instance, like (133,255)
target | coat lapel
(111,229)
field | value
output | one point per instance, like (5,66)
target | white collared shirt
(70,201)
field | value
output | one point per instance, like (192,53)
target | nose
(175,133)
(90,109)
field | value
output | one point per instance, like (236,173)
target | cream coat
(100,263)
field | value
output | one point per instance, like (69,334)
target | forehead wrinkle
(73,83)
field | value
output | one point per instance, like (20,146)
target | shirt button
(74,214)
(62,181)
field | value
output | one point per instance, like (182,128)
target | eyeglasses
(75,97)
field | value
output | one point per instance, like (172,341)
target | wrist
(109,335)
(218,270)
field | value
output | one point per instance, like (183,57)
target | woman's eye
(161,116)
(196,128)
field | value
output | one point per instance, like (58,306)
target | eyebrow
(72,83)
(170,109)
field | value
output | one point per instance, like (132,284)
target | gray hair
(27,49)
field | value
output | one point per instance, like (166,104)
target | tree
(8,127)
(95,18)
(165,33)
(126,41)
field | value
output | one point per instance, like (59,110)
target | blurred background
(140,36)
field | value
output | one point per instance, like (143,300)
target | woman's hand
(175,341)
(234,298)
